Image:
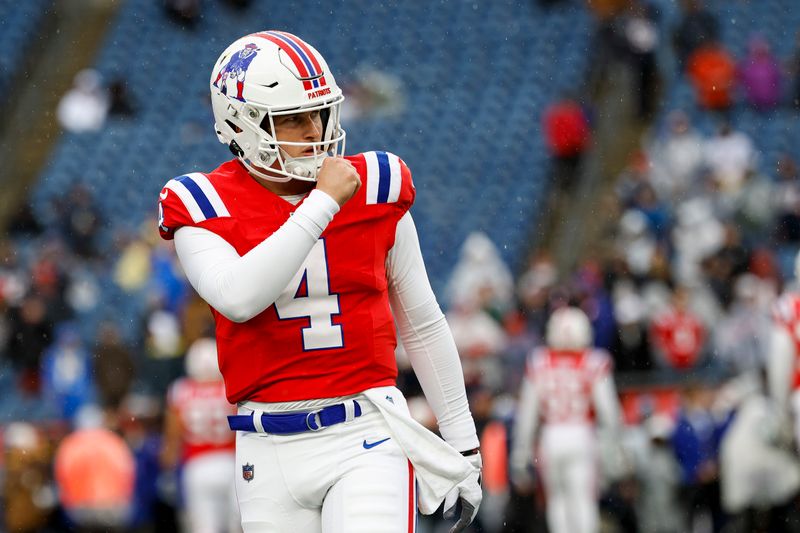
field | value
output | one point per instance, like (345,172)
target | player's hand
(470,494)
(338,178)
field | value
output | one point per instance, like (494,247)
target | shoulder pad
(186,201)
(387,179)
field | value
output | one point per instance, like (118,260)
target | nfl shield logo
(248,472)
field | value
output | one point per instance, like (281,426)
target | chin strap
(298,168)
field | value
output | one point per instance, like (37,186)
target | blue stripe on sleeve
(199,196)
(384,177)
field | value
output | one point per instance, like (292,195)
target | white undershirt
(241,287)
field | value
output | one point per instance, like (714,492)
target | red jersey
(564,381)
(680,336)
(203,412)
(786,313)
(331,332)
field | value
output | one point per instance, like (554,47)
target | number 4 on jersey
(308,296)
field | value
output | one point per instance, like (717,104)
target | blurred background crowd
(634,158)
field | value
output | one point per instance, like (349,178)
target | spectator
(794,72)
(94,470)
(185,13)
(754,210)
(23,222)
(712,72)
(120,101)
(760,75)
(30,333)
(238,4)
(655,212)
(155,492)
(676,158)
(80,220)
(696,235)
(677,335)
(67,373)
(163,346)
(632,351)
(113,367)
(698,27)
(659,475)
(132,269)
(787,217)
(28,496)
(481,278)
(606,9)
(480,341)
(84,107)
(642,39)
(567,134)
(696,441)
(730,154)
(740,338)
(632,179)
(725,264)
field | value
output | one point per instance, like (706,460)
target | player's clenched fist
(338,178)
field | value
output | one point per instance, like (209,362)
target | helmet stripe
(302,44)
(298,63)
(299,57)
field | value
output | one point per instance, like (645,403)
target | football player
(307,257)
(783,370)
(196,437)
(566,385)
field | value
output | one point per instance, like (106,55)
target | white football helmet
(264,75)
(568,329)
(201,360)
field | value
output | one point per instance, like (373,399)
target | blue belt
(286,424)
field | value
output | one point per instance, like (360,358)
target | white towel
(439,467)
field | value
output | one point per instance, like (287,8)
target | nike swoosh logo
(164,194)
(368,445)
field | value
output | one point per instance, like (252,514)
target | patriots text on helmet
(318,93)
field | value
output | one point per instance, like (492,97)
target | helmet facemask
(271,149)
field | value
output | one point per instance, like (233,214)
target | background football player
(566,385)
(783,370)
(307,258)
(197,438)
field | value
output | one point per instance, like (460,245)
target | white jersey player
(567,386)
(197,436)
(783,370)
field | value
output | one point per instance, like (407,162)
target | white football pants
(794,401)
(346,478)
(208,494)
(568,465)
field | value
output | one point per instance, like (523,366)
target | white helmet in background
(201,360)
(568,329)
(264,75)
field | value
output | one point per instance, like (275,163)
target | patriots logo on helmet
(248,472)
(236,67)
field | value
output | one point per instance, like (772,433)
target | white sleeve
(780,359)
(526,421)
(606,404)
(427,338)
(241,287)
